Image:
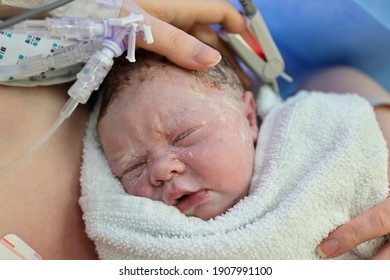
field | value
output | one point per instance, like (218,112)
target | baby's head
(182,137)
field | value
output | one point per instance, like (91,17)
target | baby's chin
(209,212)
(205,213)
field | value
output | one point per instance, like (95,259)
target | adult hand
(372,224)
(172,19)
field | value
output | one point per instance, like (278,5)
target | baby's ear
(250,113)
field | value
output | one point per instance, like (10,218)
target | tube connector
(63,28)
(61,58)
(67,28)
(97,68)
(92,75)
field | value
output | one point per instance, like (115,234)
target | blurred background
(313,34)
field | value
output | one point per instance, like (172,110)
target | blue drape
(312,34)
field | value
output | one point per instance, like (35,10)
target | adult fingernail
(207,56)
(328,247)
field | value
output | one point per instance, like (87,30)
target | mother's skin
(39,197)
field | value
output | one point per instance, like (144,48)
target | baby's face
(174,140)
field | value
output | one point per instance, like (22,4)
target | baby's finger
(372,224)
(180,47)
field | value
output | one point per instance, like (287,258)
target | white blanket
(320,160)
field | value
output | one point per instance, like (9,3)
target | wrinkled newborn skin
(181,140)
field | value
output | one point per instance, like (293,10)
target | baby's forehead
(161,80)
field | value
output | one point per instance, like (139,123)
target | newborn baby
(182,137)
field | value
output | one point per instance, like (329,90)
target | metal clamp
(272,66)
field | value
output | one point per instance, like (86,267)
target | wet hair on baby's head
(221,76)
(124,73)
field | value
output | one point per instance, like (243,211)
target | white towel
(320,160)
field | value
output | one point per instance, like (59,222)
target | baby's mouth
(191,200)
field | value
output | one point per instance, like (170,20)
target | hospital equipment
(12,247)
(106,41)
(97,43)
(269,68)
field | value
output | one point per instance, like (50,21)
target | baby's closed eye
(187,137)
(132,172)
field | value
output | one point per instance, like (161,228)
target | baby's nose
(163,167)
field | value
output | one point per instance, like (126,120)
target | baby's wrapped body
(321,159)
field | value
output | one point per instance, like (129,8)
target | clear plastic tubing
(61,58)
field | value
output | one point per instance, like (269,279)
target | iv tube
(87,81)
(66,111)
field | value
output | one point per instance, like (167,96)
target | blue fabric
(313,34)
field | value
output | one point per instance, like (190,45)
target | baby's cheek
(141,189)
(198,155)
